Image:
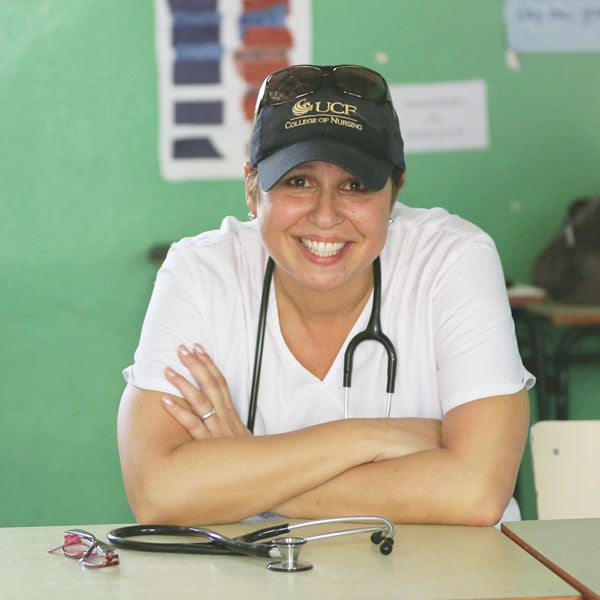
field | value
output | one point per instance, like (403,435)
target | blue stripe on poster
(193,5)
(199,113)
(269,17)
(196,72)
(186,34)
(203,18)
(198,52)
(195,148)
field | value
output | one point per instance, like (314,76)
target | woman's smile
(323,249)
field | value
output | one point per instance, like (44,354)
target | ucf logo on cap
(323,112)
(303,107)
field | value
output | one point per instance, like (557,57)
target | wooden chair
(566,468)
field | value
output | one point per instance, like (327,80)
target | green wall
(82,201)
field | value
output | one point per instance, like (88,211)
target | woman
(326,164)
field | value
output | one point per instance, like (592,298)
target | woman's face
(322,228)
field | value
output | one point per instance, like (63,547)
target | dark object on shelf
(568,268)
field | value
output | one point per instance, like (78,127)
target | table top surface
(570,547)
(566,314)
(432,562)
(522,295)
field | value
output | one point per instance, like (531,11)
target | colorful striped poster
(212,57)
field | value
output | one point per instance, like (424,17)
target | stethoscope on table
(265,542)
(372,332)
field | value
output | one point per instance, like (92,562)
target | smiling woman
(325,223)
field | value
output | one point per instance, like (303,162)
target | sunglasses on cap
(297,81)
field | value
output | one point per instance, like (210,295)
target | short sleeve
(173,318)
(474,336)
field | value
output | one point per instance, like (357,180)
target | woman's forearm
(427,487)
(468,481)
(172,478)
(225,480)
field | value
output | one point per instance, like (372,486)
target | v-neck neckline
(337,364)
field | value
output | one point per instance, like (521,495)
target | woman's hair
(396,175)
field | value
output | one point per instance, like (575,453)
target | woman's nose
(326,210)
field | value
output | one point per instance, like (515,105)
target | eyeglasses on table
(90,552)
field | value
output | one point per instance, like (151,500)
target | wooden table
(428,562)
(569,547)
(555,332)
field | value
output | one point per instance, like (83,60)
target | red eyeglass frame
(94,555)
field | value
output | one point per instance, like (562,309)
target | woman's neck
(309,304)
(316,324)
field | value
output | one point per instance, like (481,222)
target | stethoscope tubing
(372,332)
(260,338)
(247,544)
(217,545)
(388,526)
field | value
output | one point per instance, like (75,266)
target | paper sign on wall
(442,116)
(544,26)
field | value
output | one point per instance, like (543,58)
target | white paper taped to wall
(546,26)
(442,116)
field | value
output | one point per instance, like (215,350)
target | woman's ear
(251,182)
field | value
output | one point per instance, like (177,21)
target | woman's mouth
(323,249)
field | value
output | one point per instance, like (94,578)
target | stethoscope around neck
(372,332)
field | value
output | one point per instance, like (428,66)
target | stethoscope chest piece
(289,548)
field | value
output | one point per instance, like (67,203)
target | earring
(251,216)
(390,220)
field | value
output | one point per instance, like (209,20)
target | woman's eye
(356,186)
(297,181)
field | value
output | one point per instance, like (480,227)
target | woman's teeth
(323,249)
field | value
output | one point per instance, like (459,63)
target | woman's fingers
(200,404)
(213,394)
(186,418)
(217,378)
(227,410)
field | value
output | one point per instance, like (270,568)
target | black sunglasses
(297,81)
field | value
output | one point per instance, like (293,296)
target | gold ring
(211,413)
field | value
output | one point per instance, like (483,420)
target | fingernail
(199,350)
(183,350)
(170,372)
(168,401)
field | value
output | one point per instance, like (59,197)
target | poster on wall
(212,56)
(552,26)
(443,116)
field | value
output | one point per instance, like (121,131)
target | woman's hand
(397,437)
(205,413)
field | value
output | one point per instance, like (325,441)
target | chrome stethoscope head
(382,534)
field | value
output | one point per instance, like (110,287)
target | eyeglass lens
(89,551)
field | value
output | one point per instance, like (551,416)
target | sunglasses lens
(361,82)
(292,83)
(98,560)
(76,548)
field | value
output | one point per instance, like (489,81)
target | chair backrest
(566,468)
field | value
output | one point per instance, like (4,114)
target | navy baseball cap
(343,115)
